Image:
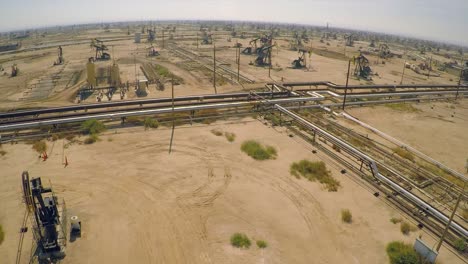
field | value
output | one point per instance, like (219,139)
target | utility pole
(197,40)
(238,62)
(173,121)
(346,88)
(269,67)
(451,219)
(459,82)
(429,68)
(214,68)
(163,38)
(403,74)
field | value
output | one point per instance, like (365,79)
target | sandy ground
(138,204)
(439,130)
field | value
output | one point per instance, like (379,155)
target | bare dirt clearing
(138,204)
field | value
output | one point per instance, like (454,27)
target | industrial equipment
(14,70)
(206,38)
(349,40)
(100,48)
(362,68)
(465,72)
(152,52)
(372,44)
(60,59)
(252,48)
(300,62)
(47,226)
(264,56)
(151,35)
(384,51)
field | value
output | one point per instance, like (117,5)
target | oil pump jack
(14,70)
(100,48)
(47,226)
(152,52)
(384,51)
(349,40)
(253,47)
(264,56)
(362,68)
(60,59)
(206,38)
(464,72)
(300,62)
(151,34)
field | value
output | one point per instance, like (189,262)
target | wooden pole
(451,219)
(173,117)
(403,74)
(238,63)
(346,88)
(214,68)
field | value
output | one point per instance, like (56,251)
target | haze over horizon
(426,19)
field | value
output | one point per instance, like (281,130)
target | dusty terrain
(138,204)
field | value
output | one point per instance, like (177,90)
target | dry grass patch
(403,107)
(230,136)
(2,235)
(315,171)
(404,153)
(406,228)
(217,132)
(40,146)
(346,216)
(396,220)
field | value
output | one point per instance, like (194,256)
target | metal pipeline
(373,166)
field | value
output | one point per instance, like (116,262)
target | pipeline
(373,167)
(374,86)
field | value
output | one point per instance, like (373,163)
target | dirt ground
(139,204)
(437,129)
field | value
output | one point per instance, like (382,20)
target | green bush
(401,253)
(230,136)
(151,123)
(240,240)
(314,171)
(346,216)
(262,244)
(93,126)
(91,139)
(2,235)
(258,151)
(460,245)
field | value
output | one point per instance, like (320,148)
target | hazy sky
(445,20)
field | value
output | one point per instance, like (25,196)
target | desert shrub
(262,244)
(404,153)
(2,152)
(460,245)
(70,137)
(150,123)
(314,171)
(240,240)
(93,126)
(2,235)
(346,216)
(230,136)
(395,220)
(401,253)
(217,132)
(405,228)
(91,139)
(39,146)
(258,151)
